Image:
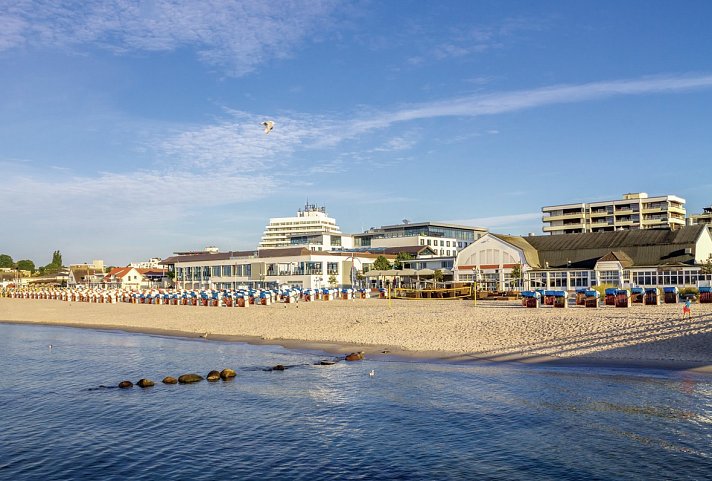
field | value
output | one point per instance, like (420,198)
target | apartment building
(704,218)
(633,211)
(311,228)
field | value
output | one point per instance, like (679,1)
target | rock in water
(125,384)
(355,356)
(227,373)
(145,383)
(213,376)
(189,378)
(279,367)
(170,380)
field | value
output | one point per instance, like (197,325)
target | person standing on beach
(686,309)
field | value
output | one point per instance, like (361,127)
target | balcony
(551,218)
(562,227)
(601,212)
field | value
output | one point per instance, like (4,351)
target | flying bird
(268,125)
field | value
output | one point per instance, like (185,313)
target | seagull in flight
(268,125)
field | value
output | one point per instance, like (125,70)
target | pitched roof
(530,253)
(646,247)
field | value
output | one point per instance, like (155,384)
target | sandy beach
(448,330)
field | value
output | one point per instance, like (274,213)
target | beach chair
(581,297)
(670,295)
(636,295)
(651,297)
(531,299)
(610,296)
(561,299)
(592,297)
(705,295)
(622,298)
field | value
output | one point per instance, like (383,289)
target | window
(216,271)
(332,268)
(558,279)
(610,277)
(226,271)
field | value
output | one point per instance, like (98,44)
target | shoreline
(335,328)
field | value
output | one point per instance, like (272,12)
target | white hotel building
(311,228)
(633,211)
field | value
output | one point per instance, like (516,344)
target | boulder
(125,384)
(213,376)
(145,383)
(279,367)
(189,378)
(170,380)
(326,362)
(355,356)
(226,374)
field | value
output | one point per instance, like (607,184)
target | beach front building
(633,211)
(704,218)
(630,258)
(133,278)
(88,275)
(292,266)
(311,228)
(445,239)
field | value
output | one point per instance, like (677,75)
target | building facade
(704,218)
(311,228)
(292,266)
(633,211)
(445,239)
(633,258)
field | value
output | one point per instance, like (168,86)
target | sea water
(410,420)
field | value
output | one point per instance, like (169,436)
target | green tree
(56,263)
(438,275)
(707,266)
(6,261)
(517,274)
(381,264)
(26,265)
(402,256)
(332,280)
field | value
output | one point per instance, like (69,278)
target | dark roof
(412,250)
(218,256)
(530,253)
(645,247)
(286,252)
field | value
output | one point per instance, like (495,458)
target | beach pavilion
(645,258)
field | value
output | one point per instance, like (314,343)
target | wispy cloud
(234,35)
(237,142)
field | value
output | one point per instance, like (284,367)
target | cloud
(234,35)
(505,102)
(237,142)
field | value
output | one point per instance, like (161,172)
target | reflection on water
(412,420)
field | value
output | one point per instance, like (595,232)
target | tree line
(6,261)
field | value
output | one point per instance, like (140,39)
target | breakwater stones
(145,383)
(125,384)
(169,380)
(355,356)
(189,378)
(227,374)
(213,376)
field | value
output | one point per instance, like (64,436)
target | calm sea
(410,421)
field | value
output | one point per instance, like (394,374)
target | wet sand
(457,331)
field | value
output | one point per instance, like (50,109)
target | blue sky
(132,129)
